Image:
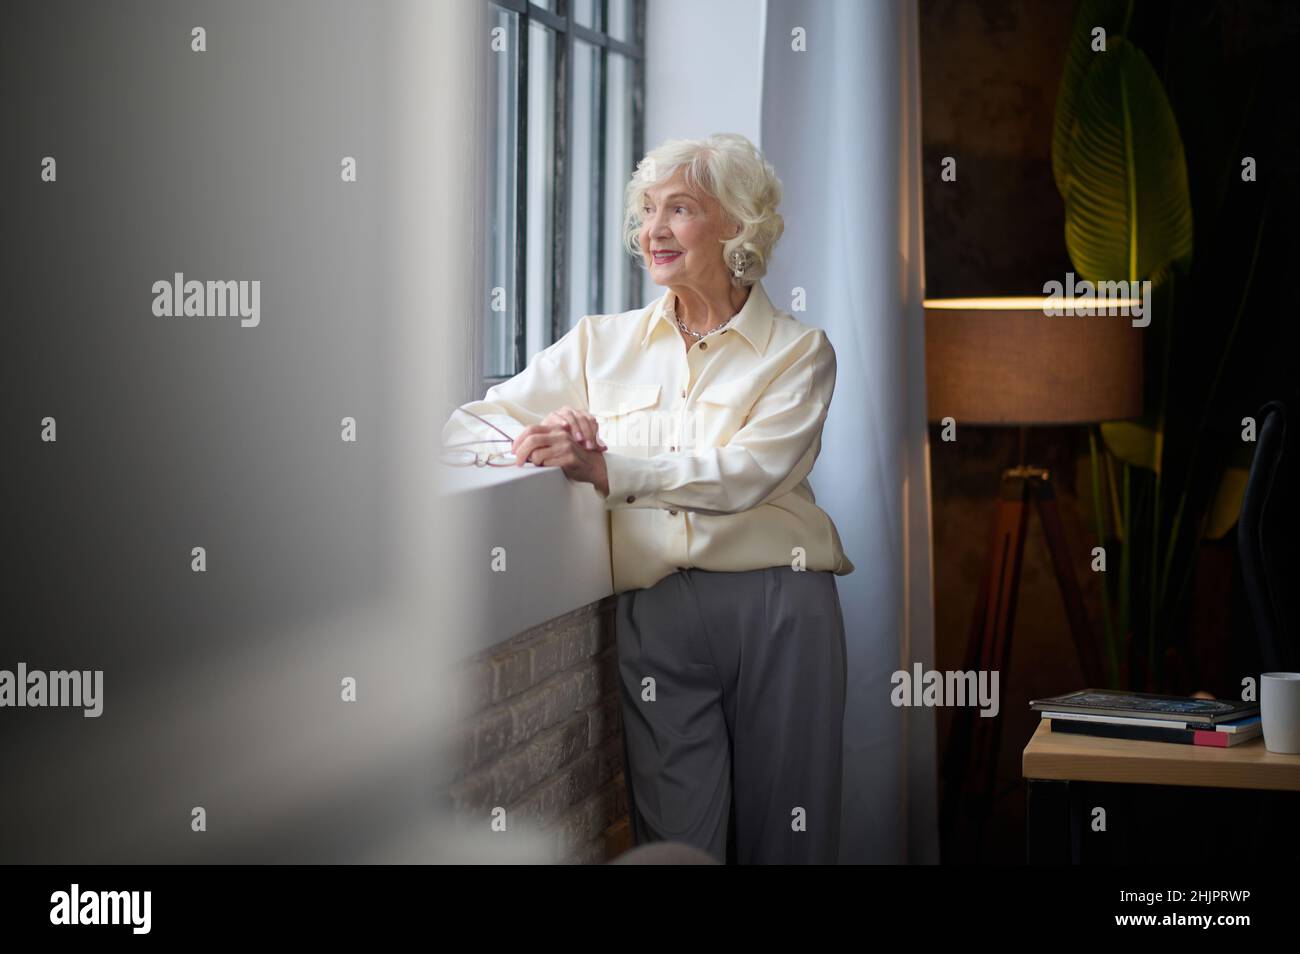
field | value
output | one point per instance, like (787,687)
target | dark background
(990,71)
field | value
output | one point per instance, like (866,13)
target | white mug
(1279,711)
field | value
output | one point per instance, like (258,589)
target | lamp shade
(1006,361)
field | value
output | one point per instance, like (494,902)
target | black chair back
(1267,532)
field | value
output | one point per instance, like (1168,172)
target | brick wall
(539,733)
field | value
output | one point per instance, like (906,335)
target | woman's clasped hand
(569,439)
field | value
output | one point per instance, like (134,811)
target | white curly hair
(730,168)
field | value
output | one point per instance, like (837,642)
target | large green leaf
(1079,55)
(1226,507)
(1127,210)
(1131,442)
(1227,502)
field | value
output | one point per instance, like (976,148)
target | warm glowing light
(1026,303)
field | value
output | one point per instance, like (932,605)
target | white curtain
(841,124)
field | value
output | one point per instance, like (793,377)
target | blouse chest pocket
(720,410)
(626,414)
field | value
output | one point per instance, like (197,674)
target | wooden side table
(1094,800)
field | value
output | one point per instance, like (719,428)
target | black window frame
(568,31)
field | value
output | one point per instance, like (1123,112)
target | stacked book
(1151,718)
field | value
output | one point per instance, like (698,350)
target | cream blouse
(709,449)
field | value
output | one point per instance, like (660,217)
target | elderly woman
(697,419)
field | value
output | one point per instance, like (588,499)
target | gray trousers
(735,747)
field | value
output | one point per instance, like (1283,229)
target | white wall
(704,68)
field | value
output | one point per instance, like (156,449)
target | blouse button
(631,497)
(673,449)
(704,346)
(672,513)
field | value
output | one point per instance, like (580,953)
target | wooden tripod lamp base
(970,763)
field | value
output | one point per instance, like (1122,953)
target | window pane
(498,338)
(541,174)
(544,4)
(583,201)
(619,164)
(587,13)
(622,23)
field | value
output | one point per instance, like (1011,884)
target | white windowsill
(555,535)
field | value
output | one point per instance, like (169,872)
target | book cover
(1144,733)
(1142,705)
(1248,724)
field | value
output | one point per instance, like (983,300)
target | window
(567,91)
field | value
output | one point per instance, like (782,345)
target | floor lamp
(1006,362)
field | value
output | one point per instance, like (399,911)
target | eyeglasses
(460,455)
